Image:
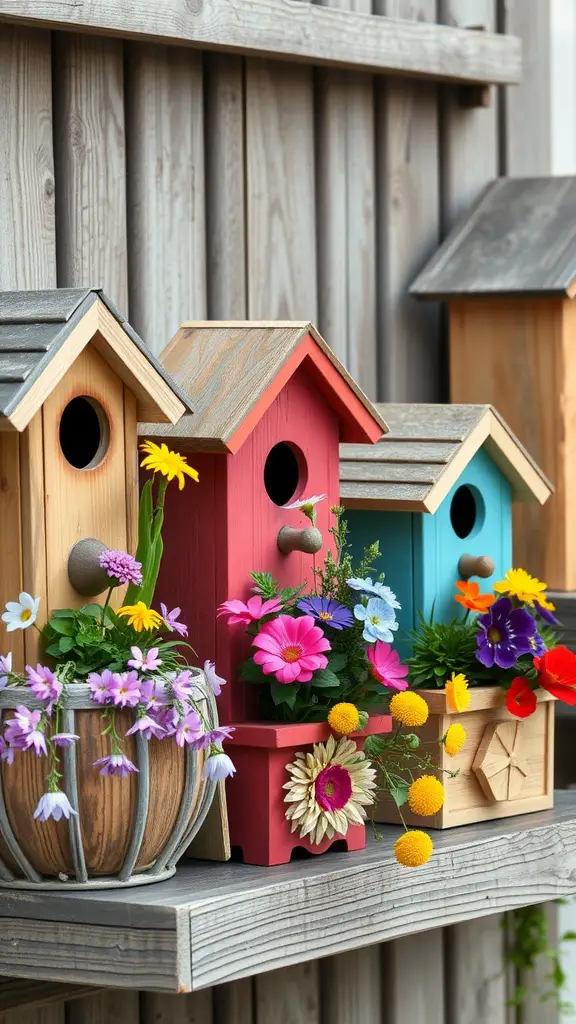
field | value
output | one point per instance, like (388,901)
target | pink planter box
(256,805)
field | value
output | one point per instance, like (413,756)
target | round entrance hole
(84,433)
(285,473)
(466,511)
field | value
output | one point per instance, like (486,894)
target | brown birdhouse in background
(508,272)
(74,381)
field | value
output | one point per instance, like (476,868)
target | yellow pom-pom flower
(140,617)
(454,739)
(409,708)
(413,848)
(344,719)
(426,796)
(457,694)
(159,459)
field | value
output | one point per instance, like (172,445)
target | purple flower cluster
(505,634)
(121,567)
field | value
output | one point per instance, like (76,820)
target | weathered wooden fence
(194,185)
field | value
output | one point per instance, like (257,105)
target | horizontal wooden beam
(216,923)
(291,30)
(17,994)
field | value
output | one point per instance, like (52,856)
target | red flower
(520,698)
(557,673)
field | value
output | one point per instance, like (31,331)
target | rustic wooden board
(90,159)
(354,987)
(414,967)
(53,1013)
(19,994)
(233,1003)
(216,923)
(108,1007)
(476,980)
(195,1008)
(275,27)
(527,124)
(167,279)
(289,995)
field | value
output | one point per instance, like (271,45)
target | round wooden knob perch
(475,565)
(308,540)
(84,570)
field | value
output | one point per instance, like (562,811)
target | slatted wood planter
(128,831)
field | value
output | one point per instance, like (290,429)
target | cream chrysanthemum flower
(329,789)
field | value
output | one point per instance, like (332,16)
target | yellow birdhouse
(74,381)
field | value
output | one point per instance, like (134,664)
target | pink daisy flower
(250,611)
(291,649)
(386,667)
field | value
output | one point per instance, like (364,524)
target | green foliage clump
(439,649)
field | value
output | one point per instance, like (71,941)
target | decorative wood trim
(306,32)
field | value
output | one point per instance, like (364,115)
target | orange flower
(471,598)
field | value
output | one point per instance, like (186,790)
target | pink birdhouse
(271,405)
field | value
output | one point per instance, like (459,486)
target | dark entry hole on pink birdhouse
(84,433)
(285,472)
(466,511)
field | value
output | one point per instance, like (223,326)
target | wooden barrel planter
(129,830)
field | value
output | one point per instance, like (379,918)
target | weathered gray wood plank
(90,158)
(289,995)
(164,1009)
(414,979)
(166,196)
(275,27)
(234,1002)
(53,306)
(432,452)
(114,1007)
(527,109)
(28,255)
(53,1013)
(353,987)
(476,979)
(17,994)
(383,472)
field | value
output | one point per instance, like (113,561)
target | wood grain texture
(182,1009)
(289,995)
(33,526)
(53,1013)
(475,980)
(11,539)
(225,186)
(281,240)
(273,27)
(16,994)
(527,120)
(28,257)
(352,987)
(538,981)
(113,1007)
(234,1003)
(414,994)
(407,170)
(166,194)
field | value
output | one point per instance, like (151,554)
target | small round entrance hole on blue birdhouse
(285,472)
(467,511)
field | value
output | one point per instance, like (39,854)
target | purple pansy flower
(215,682)
(218,766)
(148,726)
(44,685)
(327,612)
(54,805)
(181,684)
(215,736)
(115,764)
(188,729)
(100,685)
(171,620)
(504,634)
(5,670)
(546,614)
(122,567)
(125,689)
(148,662)
(64,739)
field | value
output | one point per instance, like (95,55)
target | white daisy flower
(21,613)
(307,505)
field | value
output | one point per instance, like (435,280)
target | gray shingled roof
(519,239)
(33,326)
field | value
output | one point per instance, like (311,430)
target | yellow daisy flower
(520,584)
(159,459)
(344,718)
(457,694)
(426,796)
(454,739)
(413,849)
(409,708)
(140,617)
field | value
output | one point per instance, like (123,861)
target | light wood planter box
(505,767)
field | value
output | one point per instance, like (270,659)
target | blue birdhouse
(436,491)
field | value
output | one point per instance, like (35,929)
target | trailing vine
(527,940)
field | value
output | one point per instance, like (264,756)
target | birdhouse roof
(43,332)
(519,239)
(232,372)
(427,447)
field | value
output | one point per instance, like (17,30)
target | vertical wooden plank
(535,1011)
(166,204)
(280,191)
(90,164)
(10,532)
(468,136)
(225,186)
(476,980)
(563,87)
(54,1013)
(289,996)
(159,1008)
(407,226)
(233,1003)
(414,979)
(527,107)
(27,257)
(351,986)
(114,1006)
(34,562)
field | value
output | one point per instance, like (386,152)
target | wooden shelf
(291,30)
(213,923)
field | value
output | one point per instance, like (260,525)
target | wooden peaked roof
(43,332)
(416,464)
(519,239)
(233,371)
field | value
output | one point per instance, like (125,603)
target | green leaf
(336,662)
(93,610)
(374,746)
(324,677)
(63,613)
(399,792)
(145,512)
(64,627)
(66,644)
(53,650)
(284,693)
(251,672)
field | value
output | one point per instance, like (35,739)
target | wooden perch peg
(309,540)
(475,565)
(84,570)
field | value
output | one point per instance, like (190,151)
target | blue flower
(377,589)
(379,620)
